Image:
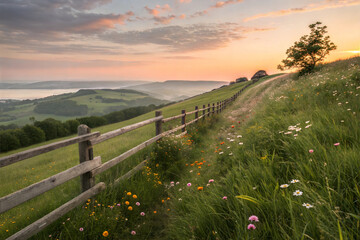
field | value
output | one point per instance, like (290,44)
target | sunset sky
(161,40)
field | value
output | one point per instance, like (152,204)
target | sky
(158,40)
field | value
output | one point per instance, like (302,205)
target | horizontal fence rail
(89,166)
(7,160)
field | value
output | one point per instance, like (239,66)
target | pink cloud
(327,4)
(158,9)
(185,1)
(223,3)
(107,22)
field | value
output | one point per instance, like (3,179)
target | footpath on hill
(203,167)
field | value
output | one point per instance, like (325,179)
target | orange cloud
(309,8)
(185,1)
(158,9)
(223,3)
(104,23)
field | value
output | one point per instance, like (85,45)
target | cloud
(185,1)
(57,17)
(183,38)
(327,4)
(221,4)
(164,20)
(158,9)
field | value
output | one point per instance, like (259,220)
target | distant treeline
(12,137)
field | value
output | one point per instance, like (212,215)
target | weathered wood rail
(90,166)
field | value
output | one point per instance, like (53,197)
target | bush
(52,128)
(166,158)
(35,134)
(8,141)
(92,121)
(72,125)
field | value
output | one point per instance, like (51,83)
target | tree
(309,50)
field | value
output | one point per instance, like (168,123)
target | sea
(23,94)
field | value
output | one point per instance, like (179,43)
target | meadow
(281,162)
(22,174)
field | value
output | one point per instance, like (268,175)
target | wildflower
(230,154)
(232,126)
(81,229)
(307,205)
(224,198)
(105,233)
(307,122)
(134,196)
(155,212)
(177,183)
(253,218)
(284,185)
(211,180)
(189,184)
(172,184)
(221,153)
(336,144)
(133,232)
(297,193)
(295,181)
(129,194)
(137,204)
(241,143)
(130,208)
(251,226)
(200,188)
(238,136)
(127,202)
(311,151)
(142,214)
(118,204)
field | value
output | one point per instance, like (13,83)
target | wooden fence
(91,166)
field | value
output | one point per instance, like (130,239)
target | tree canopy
(309,50)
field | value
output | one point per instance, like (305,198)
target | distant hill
(175,90)
(85,102)
(69,84)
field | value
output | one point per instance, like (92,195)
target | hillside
(88,102)
(175,90)
(281,162)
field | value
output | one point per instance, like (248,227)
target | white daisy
(297,193)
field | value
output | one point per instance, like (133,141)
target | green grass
(95,105)
(249,152)
(22,174)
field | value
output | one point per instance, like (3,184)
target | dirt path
(243,107)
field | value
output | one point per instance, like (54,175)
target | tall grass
(300,133)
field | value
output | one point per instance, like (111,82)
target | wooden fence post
(158,124)
(85,154)
(217,107)
(213,108)
(209,109)
(204,111)
(196,113)
(183,119)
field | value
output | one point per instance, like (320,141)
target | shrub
(35,134)
(8,141)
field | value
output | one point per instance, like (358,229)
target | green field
(22,174)
(97,102)
(287,150)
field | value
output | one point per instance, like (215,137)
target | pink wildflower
(251,226)
(81,229)
(211,180)
(253,218)
(142,214)
(336,144)
(189,184)
(225,197)
(133,232)
(311,151)
(137,204)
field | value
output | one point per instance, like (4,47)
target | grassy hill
(69,106)
(286,151)
(175,90)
